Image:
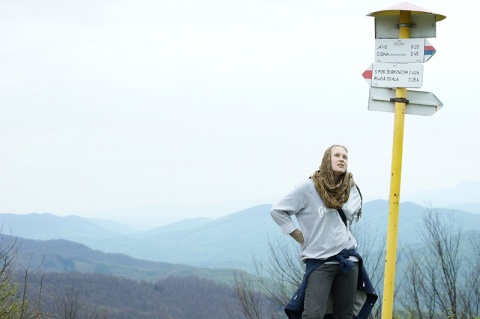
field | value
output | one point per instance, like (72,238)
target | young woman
(324,205)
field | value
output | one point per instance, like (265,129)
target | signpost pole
(398,22)
(395,179)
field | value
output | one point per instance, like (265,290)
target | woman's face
(339,158)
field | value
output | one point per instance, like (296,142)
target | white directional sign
(418,102)
(393,75)
(403,50)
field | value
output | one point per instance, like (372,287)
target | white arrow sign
(391,75)
(419,102)
(403,50)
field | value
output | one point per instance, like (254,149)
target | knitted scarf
(333,194)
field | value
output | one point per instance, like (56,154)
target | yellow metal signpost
(403,21)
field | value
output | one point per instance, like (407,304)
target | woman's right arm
(283,210)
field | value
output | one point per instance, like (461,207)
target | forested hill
(59,255)
(116,286)
(119,298)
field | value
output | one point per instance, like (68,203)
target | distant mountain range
(228,242)
(151,215)
(465,196)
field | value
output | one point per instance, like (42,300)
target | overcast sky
(113,104)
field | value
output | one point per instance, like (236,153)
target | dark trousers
(326,279)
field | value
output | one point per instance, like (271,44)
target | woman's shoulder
(305,187)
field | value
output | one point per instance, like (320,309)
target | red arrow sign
(367,74)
